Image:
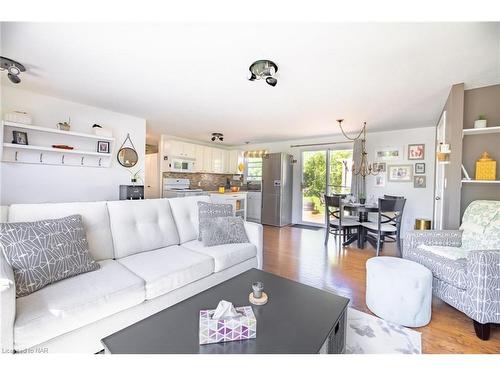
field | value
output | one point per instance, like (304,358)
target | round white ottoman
(399,290)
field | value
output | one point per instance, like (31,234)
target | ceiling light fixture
(13,69)
(217,137)
(263,69)
(364,168)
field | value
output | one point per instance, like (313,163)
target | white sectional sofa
(150,259)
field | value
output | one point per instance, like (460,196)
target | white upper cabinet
(235,158)
(180,149)
(207,159)
(189,150)
(199,157)
(217,161)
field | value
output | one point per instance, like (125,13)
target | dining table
(362,210)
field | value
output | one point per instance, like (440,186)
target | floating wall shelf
(39,149)
(44,129)
(481,181)
(487,130)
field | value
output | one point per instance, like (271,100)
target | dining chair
(336,223)
(388,225)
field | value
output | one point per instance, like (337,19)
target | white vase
(480,123)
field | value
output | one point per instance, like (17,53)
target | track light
(263,69)
(13,69)
(217,137)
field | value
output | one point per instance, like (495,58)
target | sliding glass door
(324,171)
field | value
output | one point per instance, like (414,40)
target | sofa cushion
(141,225)
(43,252)
(209,211)
(224,230)
(73,303)
(168,269)
(185,211)
(481,226)
(451,271)
(225,256)
(95,221)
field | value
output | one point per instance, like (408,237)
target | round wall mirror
(127,157)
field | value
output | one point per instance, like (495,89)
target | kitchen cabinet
(235,158)
(217,161)
(225,161)
(237,200)
(254,204)
(207,159)
(180,149)
(199,155)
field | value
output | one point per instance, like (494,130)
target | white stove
(179,187)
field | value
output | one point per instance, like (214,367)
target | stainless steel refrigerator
(277,177)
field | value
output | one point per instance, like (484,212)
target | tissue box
(221,330)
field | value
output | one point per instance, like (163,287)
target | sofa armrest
(414,238)
(7,306)
(255,235)
(483,285)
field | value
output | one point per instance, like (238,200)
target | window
(254,169)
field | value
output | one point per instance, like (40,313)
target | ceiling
(189,80)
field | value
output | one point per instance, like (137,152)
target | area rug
(367,334)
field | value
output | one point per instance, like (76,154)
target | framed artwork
(103,147)
(416,151)
(419,182)
(389,153)
(419,168)
(379,167)
(380,180)
(400,173)
(19,138)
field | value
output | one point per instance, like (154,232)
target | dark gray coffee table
(297,319)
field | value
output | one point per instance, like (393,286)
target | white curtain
(357,182)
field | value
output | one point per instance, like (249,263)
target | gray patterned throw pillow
(208,211)
(224,230)
(43,252)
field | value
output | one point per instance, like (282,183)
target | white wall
(419,200)
(29,183)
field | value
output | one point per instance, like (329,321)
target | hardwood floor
(299,254)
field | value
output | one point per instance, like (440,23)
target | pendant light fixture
(364,168)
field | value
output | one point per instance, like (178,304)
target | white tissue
(225,310)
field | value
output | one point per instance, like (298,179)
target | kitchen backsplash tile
(205,181)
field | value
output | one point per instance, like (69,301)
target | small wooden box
(486,168)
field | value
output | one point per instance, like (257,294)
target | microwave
(181,165)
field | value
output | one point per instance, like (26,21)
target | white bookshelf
(477,131)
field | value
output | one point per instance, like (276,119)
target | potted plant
(135,176)
(362,198)
(481,122)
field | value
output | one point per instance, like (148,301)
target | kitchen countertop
(227,192)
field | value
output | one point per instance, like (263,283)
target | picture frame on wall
(389,153)
(416,151)
(419,182)
(379,167)
(19,138)
(103,147)
(400,173)
(419,168)
(380,180)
